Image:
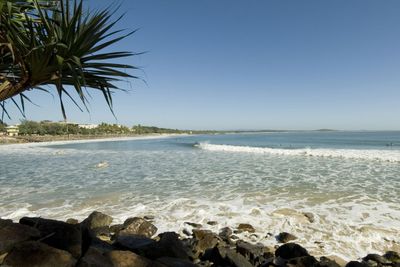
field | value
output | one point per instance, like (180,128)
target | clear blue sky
(255,65)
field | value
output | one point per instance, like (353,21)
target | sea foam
(366,154)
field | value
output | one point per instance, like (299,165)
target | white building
(88,126)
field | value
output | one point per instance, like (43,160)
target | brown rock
(33,253)
(285,237)
(138,226)
(58,234)
(94,258)
(127,259)
(14,233)
(245,227)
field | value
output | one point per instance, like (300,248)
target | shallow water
(350,181)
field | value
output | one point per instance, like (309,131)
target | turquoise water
(350,181)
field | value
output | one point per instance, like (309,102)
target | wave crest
(366,154)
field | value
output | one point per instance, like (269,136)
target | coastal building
(88,126)
(12,130)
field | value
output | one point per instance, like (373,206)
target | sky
(274,64)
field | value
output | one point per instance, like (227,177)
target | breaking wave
(365,154)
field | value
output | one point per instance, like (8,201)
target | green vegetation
(58,43)
(2,127)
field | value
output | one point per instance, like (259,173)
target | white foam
(367,154)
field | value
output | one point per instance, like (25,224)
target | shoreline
(97,241)
(58,140)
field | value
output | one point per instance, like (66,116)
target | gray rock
(212,222)
(138,226)
(97,220)
(285,237)
(14,233)
(226,234)
(32,253)
(114,229)
(57,234)
(290,251)
(255,254)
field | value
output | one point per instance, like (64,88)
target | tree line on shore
(28,127)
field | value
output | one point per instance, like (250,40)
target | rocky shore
(97,242)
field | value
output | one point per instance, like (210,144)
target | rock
(356,264)
(94,258)
(127,259)
(14,233)
(72,221)
(33,253)
(133,242)
(309,216)
(392,256)
(377,258)
(97,220)
(225,234)
(326,262)
(174,262)
(203,240)
(4,222)
(169,245)
(224,256)
(138,226)
(285,237)
(212,222)
(306,261)
(290,251)
(255,254)
(114,229)
(245,227)
(194,225)
(57,234)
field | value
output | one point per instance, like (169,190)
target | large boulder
(138,226)
(377,258)
(14,233)
(97,220)
(356,264)
(33,253)
(57,234)
(306,261)
(326,262)
(225,234)
(127,259)
(225,256)
(134,243)
(94,258)
(290,251)
(255,254)
(169,245)
(392,256)
(203,240)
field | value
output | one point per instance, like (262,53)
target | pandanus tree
(61,46)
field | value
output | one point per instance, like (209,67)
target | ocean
(348,181)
